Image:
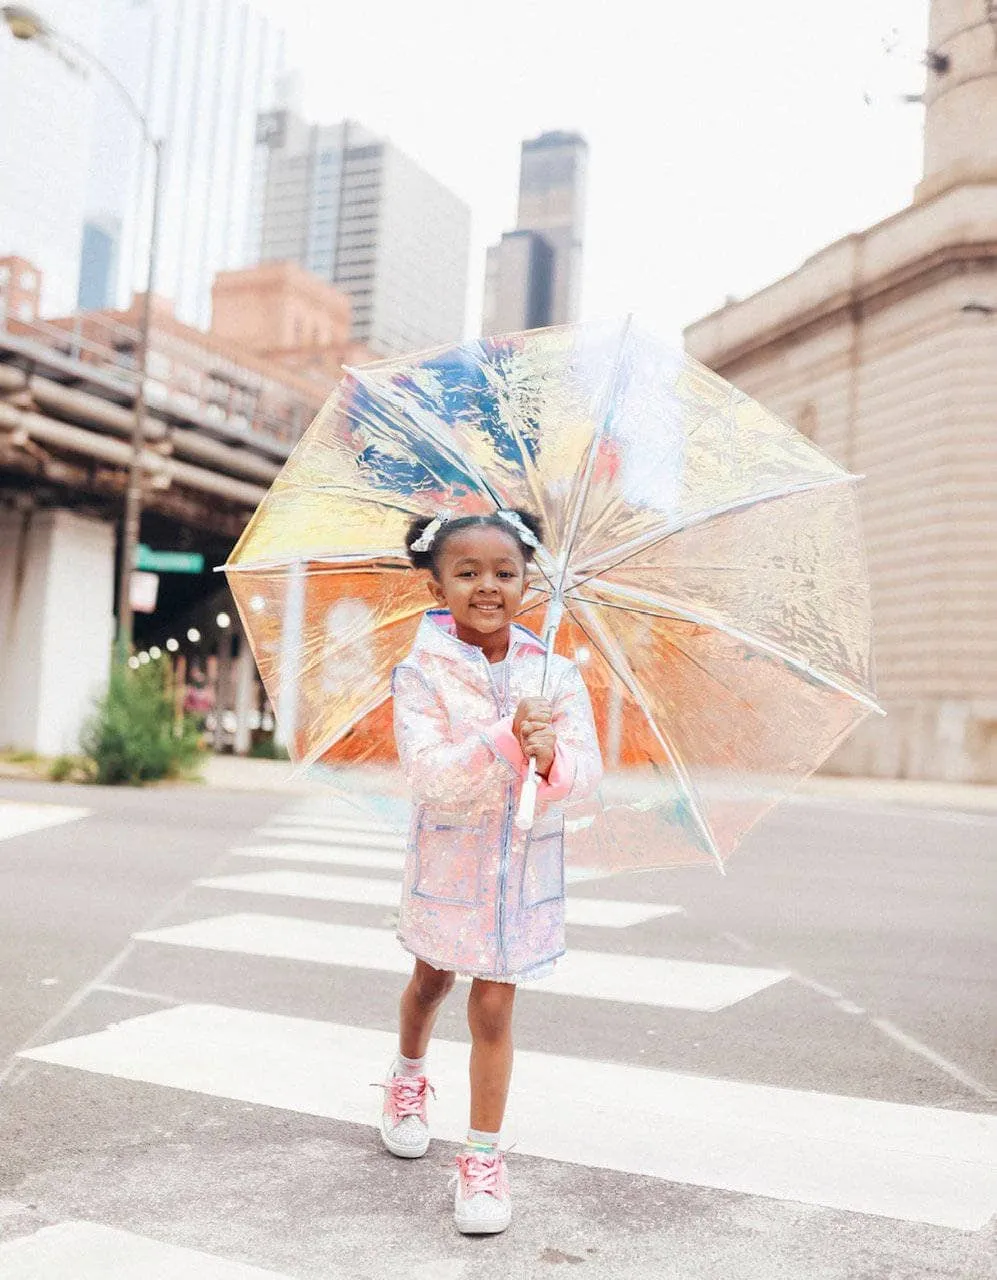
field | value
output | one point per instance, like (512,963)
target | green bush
(133,737)
(268,749)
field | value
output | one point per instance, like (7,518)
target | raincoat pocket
(543,867)
(448,861)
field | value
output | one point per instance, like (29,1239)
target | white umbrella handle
(528,796)
(528,799)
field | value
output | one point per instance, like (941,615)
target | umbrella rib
(378,700)
(586,483)
(653,608)
(359,559)
(449,451)
(642,543)
(623,671)
(451,454)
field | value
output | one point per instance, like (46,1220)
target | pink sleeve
(505,743)
(561,777)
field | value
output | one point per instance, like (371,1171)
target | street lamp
(25,24)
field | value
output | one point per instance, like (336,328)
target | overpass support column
(56,626)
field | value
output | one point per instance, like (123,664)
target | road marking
(336,855)
(607,913)
(345,823)
(21,819)
(648,980)
(90,1251)
(919,1164)
(371,859)
(362,838)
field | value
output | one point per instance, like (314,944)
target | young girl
(479,897)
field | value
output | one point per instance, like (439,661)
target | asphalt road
(727,1130)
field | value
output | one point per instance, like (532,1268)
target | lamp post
(25,24)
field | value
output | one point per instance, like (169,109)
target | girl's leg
(421,1002)
(489,1017)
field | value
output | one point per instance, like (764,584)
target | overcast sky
(729,139)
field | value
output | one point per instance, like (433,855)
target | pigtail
(535,526)
(419,559)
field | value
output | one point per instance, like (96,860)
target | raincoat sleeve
(439,770)
(577,767)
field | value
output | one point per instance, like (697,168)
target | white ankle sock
(409,1066)
(481,1140)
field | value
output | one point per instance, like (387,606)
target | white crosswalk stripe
(371,857)
(594,975)
(609,913)
(912,1163)
(90,1251)
(21,819)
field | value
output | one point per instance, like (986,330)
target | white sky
(728,139)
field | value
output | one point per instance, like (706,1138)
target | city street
(781,1073)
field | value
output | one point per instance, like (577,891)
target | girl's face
(480,578)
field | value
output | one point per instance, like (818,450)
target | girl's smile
(481,578)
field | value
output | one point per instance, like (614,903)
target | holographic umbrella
(704,560)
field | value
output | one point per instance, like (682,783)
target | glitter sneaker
(482,1204)
(404,1126)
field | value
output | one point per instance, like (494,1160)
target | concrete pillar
(56,626)
(960,123)
(245,696)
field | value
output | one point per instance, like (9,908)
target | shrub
(71,769)
(134,737)
(268,749)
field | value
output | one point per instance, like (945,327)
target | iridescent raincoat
(480,897)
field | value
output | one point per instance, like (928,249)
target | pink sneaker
(404,1125)
(482,1204)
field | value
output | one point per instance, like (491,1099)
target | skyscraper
(533,275)
(361,214)
(45,112)
(201,71)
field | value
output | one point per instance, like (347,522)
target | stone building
(882,348)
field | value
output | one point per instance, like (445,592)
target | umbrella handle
(527,799)
(528,795)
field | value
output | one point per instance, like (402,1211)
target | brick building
(883,349)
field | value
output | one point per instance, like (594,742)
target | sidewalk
(234,773)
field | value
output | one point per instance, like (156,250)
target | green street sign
(168,561)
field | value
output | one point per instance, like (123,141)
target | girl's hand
(539,744)
(532,713)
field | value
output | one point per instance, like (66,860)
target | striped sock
(409,1066)
(481,1140)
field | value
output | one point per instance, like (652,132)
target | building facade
(533,275)
(200,71)
(883,349)
(362,215)
(46,106)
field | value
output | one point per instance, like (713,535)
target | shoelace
(482,1173)
(408,1093)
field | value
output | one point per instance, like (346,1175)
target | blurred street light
(25,24)
(223,620)
(172,645)
(193,635)
(155,651)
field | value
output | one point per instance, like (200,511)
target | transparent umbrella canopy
(704,558)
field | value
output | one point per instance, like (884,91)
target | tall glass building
(201,71)
(363,215)
(45,112)
(533,276)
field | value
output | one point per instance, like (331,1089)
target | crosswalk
(911,1163)
(18,819)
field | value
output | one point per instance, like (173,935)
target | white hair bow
(525,534)
(428,536)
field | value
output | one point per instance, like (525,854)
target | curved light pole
(25,24)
